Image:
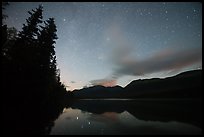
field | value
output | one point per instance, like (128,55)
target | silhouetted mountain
(184,85)
(98,92)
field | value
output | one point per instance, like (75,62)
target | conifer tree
(47,38)
(24,51)
(30,30)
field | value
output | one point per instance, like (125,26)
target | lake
(113,116)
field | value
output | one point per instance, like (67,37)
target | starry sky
(113,43)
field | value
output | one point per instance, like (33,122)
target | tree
(3,27)
(24,50)
(47,37)
(12,33)
(30,30)
(31,80)
(9,35)
(8,39)
(4,4)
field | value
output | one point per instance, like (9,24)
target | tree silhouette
(30,75)
(3,29)
(31,29)
(12,33)
(47,39)
(24,51)
(4,4)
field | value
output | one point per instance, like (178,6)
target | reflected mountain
(187,111)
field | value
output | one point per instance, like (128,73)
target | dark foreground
(142,116)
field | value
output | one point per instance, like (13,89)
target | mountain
(184,85)
(98,92)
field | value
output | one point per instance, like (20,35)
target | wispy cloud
(164,60)
(104,82)
(124,61)
(72,82)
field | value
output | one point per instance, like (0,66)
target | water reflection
(129,117)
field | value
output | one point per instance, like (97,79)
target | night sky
(114,43)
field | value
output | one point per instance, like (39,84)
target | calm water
(129,117)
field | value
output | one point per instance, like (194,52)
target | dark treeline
(31,87)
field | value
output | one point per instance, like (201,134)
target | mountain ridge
(183,85)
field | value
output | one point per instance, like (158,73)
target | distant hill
(99,92)
(184,85)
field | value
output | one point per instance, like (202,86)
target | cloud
(72,82)
(125,62)
(164,60)
(104,82)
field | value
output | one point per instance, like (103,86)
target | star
(141,13)
(187,17)
(82,28)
